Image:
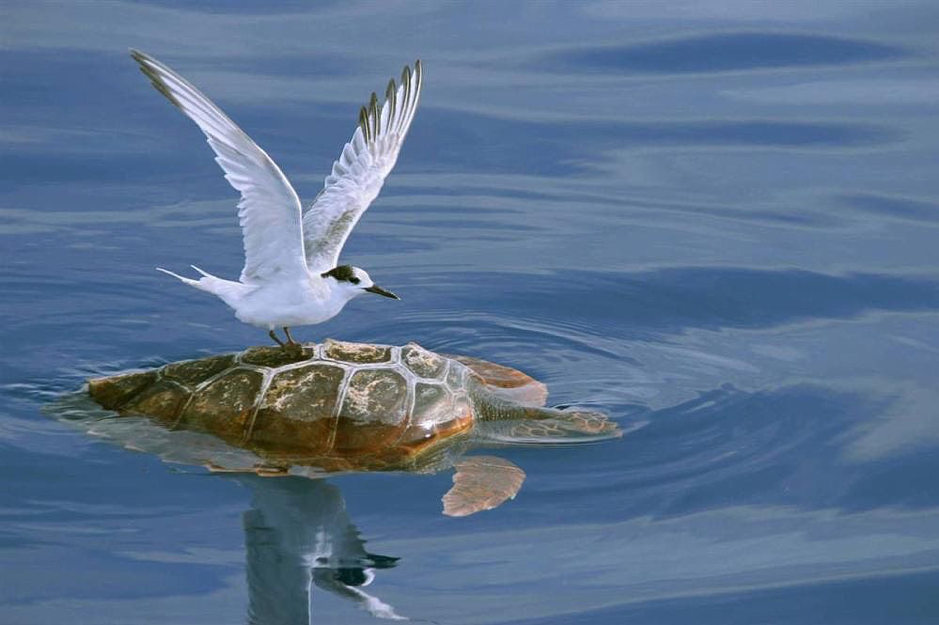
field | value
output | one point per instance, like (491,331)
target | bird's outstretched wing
(358,175)
(269,210)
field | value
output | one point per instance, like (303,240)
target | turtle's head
(353,281)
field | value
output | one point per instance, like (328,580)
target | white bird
(292,275)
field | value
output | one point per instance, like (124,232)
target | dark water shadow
(900,208)
(710,297)
(909,598)
(480,143)
(54,96)
(488,143)
(273,7)
(721,52)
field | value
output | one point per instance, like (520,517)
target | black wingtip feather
(374,114)
(145,66)
(390,94)
(370,115)
(363,122)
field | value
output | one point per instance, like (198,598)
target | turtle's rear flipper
(567,426)
(481,483)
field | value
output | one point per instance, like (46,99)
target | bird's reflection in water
(297,535)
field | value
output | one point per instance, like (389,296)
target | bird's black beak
(380,291)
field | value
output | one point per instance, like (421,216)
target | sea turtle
(339,406)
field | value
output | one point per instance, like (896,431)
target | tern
(292,276)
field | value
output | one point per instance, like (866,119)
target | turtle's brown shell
(338,405)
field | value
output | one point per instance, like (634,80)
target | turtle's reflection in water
(297,535)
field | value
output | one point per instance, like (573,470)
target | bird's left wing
(269,210)
(358,175)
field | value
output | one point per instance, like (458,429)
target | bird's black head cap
(342,273)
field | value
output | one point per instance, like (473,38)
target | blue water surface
(716,221)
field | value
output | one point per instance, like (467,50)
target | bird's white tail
(225,290)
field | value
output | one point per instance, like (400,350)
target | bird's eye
(354,280)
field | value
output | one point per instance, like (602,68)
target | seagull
(292,276)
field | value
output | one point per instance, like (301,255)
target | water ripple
(721,52)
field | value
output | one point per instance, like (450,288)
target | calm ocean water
(717,221)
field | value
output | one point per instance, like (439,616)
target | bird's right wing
(269,210)
(358,175)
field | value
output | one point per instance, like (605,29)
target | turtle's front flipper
(481,483)
(260,469)
(555,426)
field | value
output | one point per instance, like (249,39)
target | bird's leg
(290,340)
(292,347)
(275,339)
